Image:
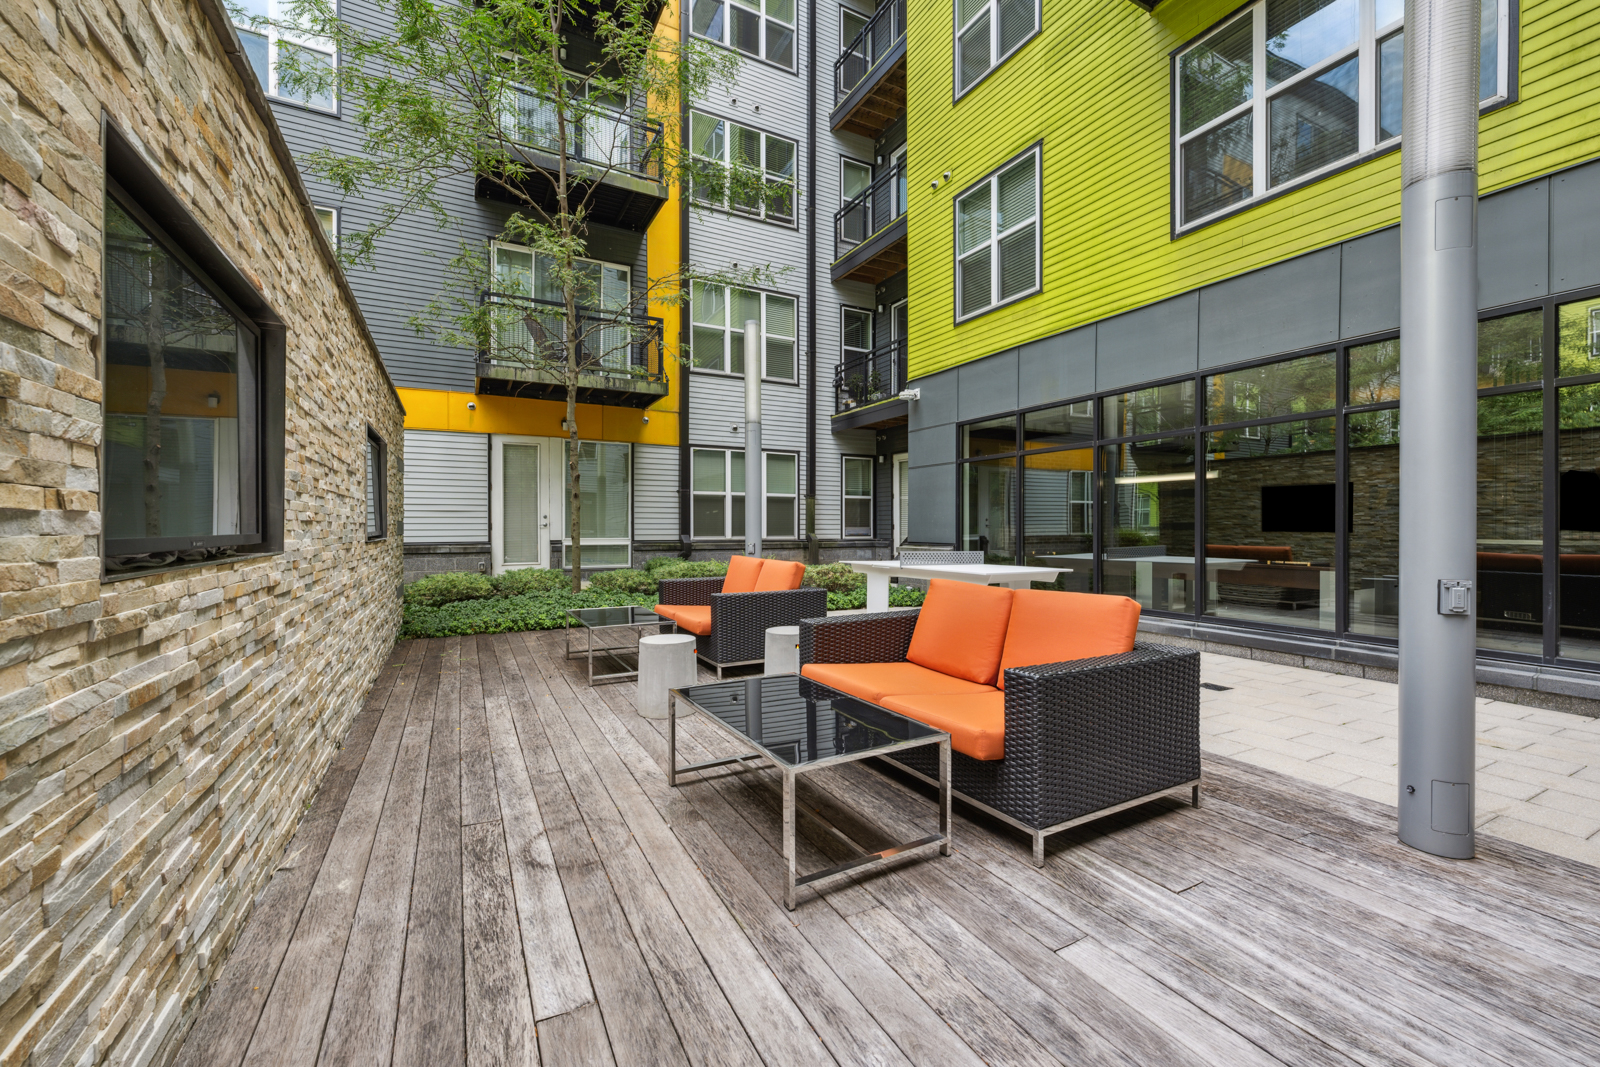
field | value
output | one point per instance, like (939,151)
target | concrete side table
(666,661)
(783,650)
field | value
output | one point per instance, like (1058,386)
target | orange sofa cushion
(976,722)
(743,571)
(1050,627)
(961,630)
(874,681)
(779,574)
(691,617)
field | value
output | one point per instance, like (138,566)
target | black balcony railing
(529,334)
(877,37)
(864,378)
(872,209)
(597,136)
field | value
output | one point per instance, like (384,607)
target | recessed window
(377,486)
(997,238)
(290,66)
(1275,96)
(330,224)
(764,30)
(719,313)
(858,496)
(987,32)
(718,508)
(743,169)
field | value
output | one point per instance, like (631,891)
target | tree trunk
(574,500)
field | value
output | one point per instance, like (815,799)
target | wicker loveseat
(729,616)
(1056,714)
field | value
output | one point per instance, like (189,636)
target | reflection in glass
(989,437)
(1578,338)
(1488,49)
(1218,168)
(1374,373)
(1511,349)
(1511,522)
(1058,515)
(1161,407)
(1373,546)
(1069,424)
(1391,85)
(989,509)
(1302,33)
(1147,520)
(1313,124)
(1215,76)
(1579,489)
(1293,387)
(1271,507)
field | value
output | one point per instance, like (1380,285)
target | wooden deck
(496,872)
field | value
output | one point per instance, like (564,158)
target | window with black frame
(377,487)
(180,479)
(1058,493)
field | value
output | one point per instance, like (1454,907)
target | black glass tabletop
(797,721)
(624,616)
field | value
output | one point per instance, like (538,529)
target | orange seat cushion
(780,574)
(976,722)
(742,574)
(874,681)
(691,617)
(1050,627)
(961,630)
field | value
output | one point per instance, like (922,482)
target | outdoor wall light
(911,394)
(946,175)
(472,405)
(647,420)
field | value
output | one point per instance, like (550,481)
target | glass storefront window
(989,438)
(1511,522)
(1058,515)
(1293,387)
(1069,424)
(1373,545)
(1578,486)
(989,509)
(1147,509)
(1153,410)
(1578,338)
(1374,373)
(1271,523)
(1511,349)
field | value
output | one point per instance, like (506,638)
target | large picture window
(1288,90)
(718,315)
(987,32)
(182,448)
(718,509)
(742,169)
(997,238)
(605,501)
(763,30)
(282,60)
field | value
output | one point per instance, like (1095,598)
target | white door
(902,497)
(519,512)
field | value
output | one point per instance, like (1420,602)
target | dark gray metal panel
(1056,368)
(1289,305)
(1158,341)
(934,445)
(987,386)
(1514,245)
(933,504)
(938,403)
(1369,285)
(1575,228)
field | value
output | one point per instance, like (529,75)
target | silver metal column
(1438,453)
(754,498)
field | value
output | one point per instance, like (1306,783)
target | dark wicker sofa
(739,621)
(1083,738)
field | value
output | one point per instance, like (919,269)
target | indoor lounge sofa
(1056,714)
(729,616)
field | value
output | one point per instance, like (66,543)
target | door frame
(548,467)
(894,467)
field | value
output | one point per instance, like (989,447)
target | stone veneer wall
(160,735)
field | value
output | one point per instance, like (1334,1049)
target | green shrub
(899,597)
(437,589)
(835,578)
(691,568)
(627,582)
(533,611)
(530,580)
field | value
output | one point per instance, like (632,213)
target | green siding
(1094,86)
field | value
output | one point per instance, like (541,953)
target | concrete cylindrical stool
(783,650)
(666,661)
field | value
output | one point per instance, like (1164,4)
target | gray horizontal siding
(655,493)
(446,487)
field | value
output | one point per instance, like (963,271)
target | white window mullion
(1258,121)
(1367,80)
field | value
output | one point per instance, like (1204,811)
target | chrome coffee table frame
(574,616)
(791,773)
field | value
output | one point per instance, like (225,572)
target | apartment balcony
(612,156)
(869,233)
(620,360)
(869,77)
(866,388)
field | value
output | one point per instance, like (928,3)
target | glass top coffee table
(798,725)
(593,620)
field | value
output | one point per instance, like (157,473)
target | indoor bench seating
(1056,714)
(729,616)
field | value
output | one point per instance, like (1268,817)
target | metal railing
(597,135)
(532,334)
(872,209)
(864,378)
(877,37)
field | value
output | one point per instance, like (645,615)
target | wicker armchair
(1083,738)
(739,621)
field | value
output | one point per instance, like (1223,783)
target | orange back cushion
(1050,627)
(780,574)
(961,630)
(742,574)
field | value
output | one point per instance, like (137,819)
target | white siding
(446,487)
(655,493)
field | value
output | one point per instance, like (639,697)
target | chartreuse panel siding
(1095,88)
